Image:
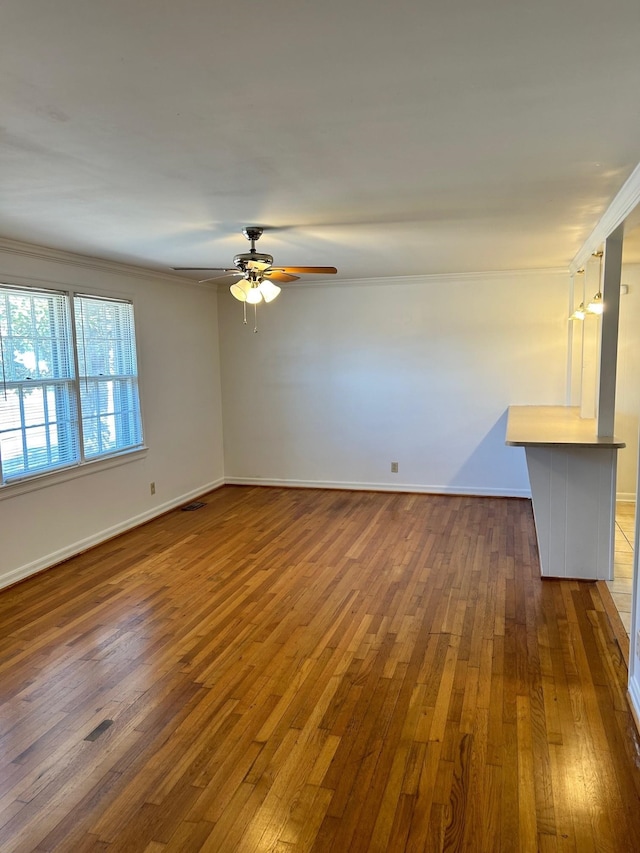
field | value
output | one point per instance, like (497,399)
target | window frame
(83,465)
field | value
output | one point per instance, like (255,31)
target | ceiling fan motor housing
(253,260)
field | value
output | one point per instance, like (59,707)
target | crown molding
(59,256)
(625,201)
(432,278)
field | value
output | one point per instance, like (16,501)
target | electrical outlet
(394,467)
(152,488)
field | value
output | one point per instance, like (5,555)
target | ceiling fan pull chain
(244,312)
(255,318)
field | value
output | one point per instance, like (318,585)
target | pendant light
(596,306)
(580,313)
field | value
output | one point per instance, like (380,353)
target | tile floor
(621,585)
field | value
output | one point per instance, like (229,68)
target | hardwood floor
(621,587)
(300,670)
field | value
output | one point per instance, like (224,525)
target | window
(69,381)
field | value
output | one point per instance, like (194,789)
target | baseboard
(50,560)
(625,498)
(476,491)
(617,626)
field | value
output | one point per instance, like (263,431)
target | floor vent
(194,505)
(95,734)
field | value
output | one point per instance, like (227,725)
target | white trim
(61,285)
(626,497)
(45,253)
(76,548)
(431,278)
(569,372)
(634,701)
(624,202)
(59,256)
(478,491)
(53,478)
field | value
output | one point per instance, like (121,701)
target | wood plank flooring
(621,587)
(301,670)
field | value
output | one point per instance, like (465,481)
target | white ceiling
(387,138)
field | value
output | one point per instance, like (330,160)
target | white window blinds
(38,405)
(41,391)
(108,373)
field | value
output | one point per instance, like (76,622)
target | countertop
(552,426)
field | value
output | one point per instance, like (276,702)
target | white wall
(340,381)
(628,383)
(176,325)
(343,379)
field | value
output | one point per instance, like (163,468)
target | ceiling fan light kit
(269,290)
(254,296)
(258,274)
(240,289)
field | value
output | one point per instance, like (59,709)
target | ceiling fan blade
(279,275)
(205,269)
(304,270)
(220,272)
(220,277)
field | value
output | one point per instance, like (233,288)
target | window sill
(54,478)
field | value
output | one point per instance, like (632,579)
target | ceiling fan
(257,273)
